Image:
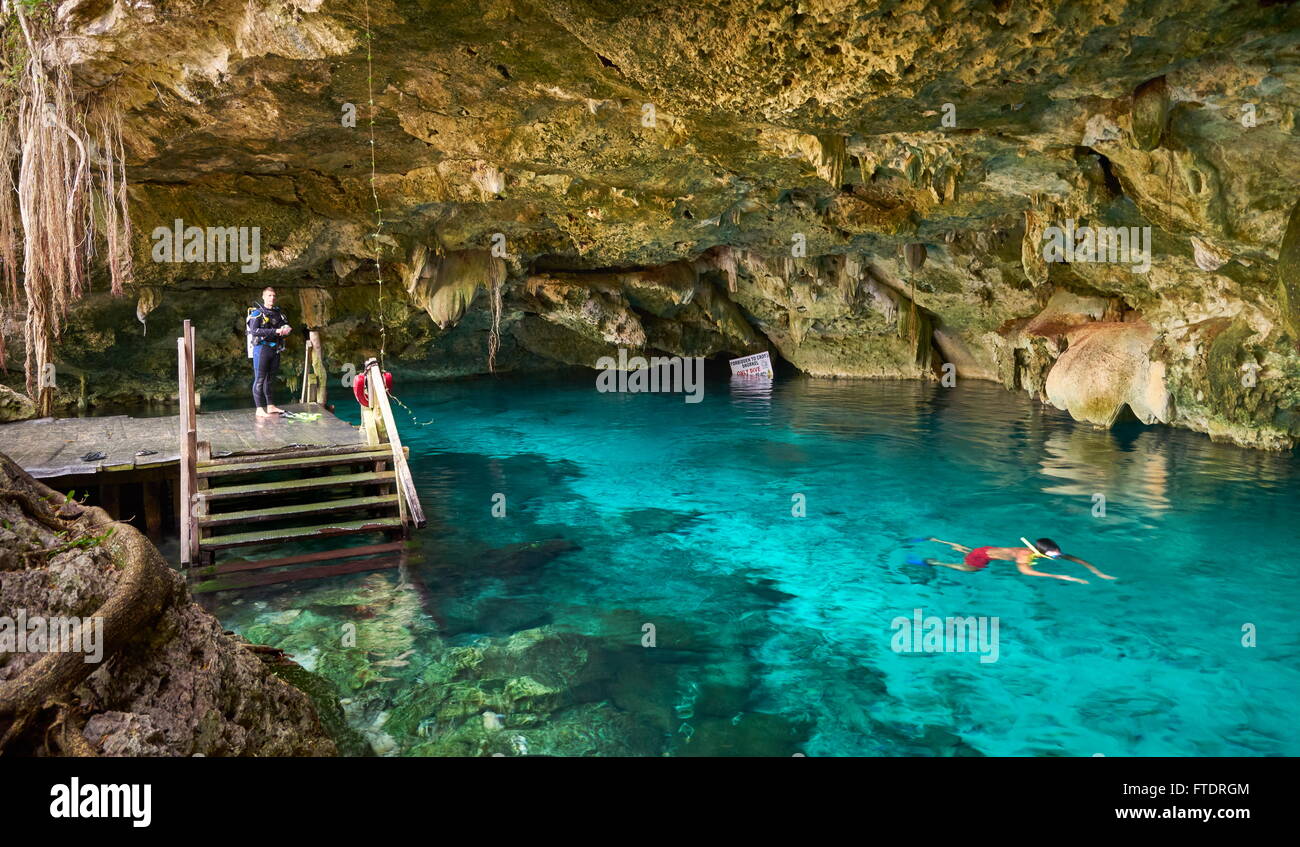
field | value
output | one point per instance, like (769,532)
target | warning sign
(760,364)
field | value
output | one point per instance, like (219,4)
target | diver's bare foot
(274,410)
(262,413)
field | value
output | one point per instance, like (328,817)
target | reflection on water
(770,628)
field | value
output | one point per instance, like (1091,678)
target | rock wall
(704,179)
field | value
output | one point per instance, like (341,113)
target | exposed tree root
(142,592)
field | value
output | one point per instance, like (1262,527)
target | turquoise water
(773,631)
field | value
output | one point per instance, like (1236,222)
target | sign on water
(760,364)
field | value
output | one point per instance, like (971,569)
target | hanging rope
(374,191)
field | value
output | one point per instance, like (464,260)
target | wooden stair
(303,496)
(294,487)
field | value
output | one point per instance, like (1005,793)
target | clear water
(773,632)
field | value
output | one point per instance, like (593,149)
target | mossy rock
(325,697)
(1223,372)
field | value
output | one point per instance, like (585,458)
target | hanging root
(494,334)
(56,173)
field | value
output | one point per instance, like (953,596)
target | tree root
(34,509)
(145,587)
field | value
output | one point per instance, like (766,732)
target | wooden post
(152,508)
(318,365)
(188,426)
(109,500)
(304,392)
(186,429)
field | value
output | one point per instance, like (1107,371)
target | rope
(379,216)
(374,192)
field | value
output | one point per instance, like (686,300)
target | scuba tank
(255,311)
(248,335)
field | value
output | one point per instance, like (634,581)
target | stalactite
(830,162)
(1031,254)
(1150,113)
(148,300)
(447,284)
(1288,274)
(315,304)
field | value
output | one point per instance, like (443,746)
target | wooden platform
(53,447)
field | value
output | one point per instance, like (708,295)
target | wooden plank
(318,572)
(53,447)
(184,518)
(326,530)
(219,492)
(289,453)
(268,465)
(281,512)
(236,565)
(406,484)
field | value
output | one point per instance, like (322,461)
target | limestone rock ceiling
(607,139)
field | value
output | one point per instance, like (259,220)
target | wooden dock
(54,447)
(235,481)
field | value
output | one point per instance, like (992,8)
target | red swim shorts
(978,558)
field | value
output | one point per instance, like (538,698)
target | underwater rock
(526,555)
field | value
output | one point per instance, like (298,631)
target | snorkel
(1038,554)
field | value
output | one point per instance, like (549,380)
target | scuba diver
(267,327)
(1024,557)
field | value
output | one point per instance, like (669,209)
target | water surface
(773,631)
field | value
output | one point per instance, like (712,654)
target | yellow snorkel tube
(1037,553)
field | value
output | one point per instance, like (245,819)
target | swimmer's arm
(1028,570)
(958,547)
(1087,565)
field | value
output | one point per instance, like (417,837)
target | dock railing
(313,371)
(381,426)
(189,445)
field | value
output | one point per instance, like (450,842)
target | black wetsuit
(267,343)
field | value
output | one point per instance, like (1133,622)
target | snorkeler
(1043,548)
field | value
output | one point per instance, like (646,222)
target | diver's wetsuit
(267,343)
